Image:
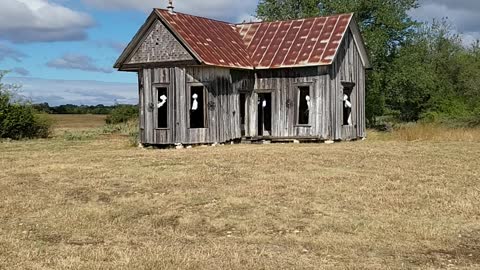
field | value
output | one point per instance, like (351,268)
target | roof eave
(360,43)
(296,66)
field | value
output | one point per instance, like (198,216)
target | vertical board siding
(283,84)
(141,105)
(149,103)
(222,105)
(348,67)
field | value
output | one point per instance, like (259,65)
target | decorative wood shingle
(159,46)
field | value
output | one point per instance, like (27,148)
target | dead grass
(77,121)
(428,132)
(377,204)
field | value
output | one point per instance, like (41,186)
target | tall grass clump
(435,132)
(128,129)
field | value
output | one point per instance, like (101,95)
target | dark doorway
(162,107)
(197,107)
(304,101)
(242,112)
(264,114)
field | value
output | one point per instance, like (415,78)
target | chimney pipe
(170,6)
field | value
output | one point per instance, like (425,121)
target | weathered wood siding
(348,67)
(284,84)
(222,105)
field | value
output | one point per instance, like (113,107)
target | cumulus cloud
(7,52)
(115,45)
(23,21)
(463,14)
(219,9)
(21,71)
(59,92)
(78,62)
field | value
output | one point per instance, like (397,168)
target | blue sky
(62,51)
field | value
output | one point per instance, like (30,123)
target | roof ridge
(201,17)
(292,20)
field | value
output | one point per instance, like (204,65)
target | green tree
(271,10)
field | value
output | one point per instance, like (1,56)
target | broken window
(162,107)
(304,105)
(347,104)
(197,107)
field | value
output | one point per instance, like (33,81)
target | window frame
(350,86)
(205,103)
(298,87)
(169,105)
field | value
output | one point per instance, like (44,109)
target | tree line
(80,109)
(421,71)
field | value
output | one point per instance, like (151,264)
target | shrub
(122,114)
(19,120)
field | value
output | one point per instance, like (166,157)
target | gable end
(159,45)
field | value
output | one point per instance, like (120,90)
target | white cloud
(7,52)
(41,20)
(462,14)
(77,61)
(21,71)
(218,9)
(58,92)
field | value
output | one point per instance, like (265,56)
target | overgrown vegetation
(122,114)
(420,71)
(18,119)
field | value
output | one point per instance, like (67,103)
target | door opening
(242,112)
(264,114)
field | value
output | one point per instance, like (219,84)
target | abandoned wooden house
(204,81)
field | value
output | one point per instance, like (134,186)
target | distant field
(385,203)
(77,121)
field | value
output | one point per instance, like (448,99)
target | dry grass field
(390,202)
(77,121)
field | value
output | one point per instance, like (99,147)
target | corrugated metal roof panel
(213,42)
(262,45)
(304,42)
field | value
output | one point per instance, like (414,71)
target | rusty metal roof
(304,42)
(212,42)
(259,45)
